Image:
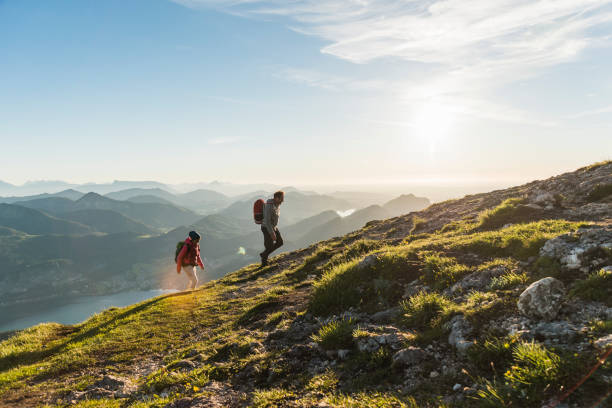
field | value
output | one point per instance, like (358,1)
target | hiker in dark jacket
(272,236)
(189,258)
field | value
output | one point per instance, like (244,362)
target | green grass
(597,287)
(349,284)
(268,300)
(336,290)
(275,397)
(534,373)
(328,256)
(493,353)
(441,272)
(183,382)
(483,307)
(519,241)
(116,337)
(510,211)
(335,335)
(426,310)
(371,400)
(508,280)
(326,382)
(275,318)
(599,191)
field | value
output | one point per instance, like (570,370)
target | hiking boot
(264,260)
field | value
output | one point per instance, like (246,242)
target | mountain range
(94,244)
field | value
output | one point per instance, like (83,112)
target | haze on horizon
(304,93)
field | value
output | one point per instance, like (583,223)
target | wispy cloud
(495,36)
(472,46)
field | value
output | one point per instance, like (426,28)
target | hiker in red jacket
(189,258)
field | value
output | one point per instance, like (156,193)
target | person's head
(279,197)
(195,237)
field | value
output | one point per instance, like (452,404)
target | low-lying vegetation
(426,310)
(533,373)
(441,271)
(597,287)
(510,211)
(337,334)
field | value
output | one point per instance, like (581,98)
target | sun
(433,124)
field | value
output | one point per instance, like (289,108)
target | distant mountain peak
(91,196)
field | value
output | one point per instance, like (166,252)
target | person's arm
(179,258)
(199,260)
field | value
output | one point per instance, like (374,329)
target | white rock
(456,387)
(342,354)
(434,374)
(542,299)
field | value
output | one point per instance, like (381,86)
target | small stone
(408,356)
(434,374)
(342,354)
(456,387)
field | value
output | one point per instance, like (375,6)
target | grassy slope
(228,328)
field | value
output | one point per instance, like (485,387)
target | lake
(79,309)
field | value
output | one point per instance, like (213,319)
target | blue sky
(303,92)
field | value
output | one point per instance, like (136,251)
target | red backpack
(258,210)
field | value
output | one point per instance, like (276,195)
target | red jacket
(189,255)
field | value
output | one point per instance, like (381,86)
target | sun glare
(433,124)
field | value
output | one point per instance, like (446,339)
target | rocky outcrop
(584,250)
(542,299)
(478,280)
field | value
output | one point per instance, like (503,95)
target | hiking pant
(270,245)
(190,271)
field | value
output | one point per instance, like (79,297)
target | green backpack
(179,247)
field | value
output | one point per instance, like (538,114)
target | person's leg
(268,243)
(279,239)
(190,271)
